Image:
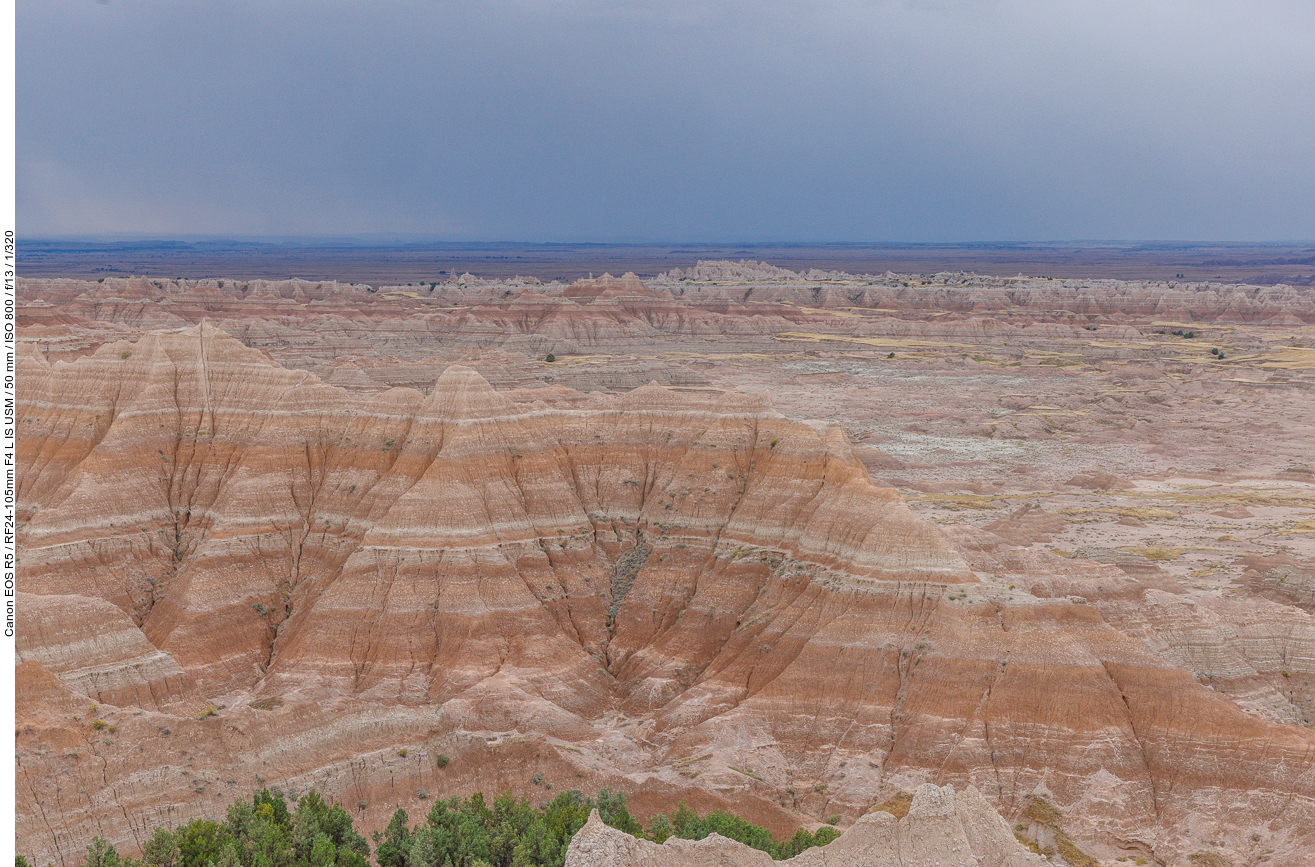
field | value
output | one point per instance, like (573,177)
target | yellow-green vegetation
(1145,513)
(885,342)
(1040,811)
(897,805)
(1209,858)
(208,712)
(1156,553)
(958,501)
(1289,498)
(686,768)
(1293,358)
(1030,844)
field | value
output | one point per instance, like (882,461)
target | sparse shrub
(98,724)
(112,729)
(402,752)
(892,355)
(421,794)
(833,819)
(1041,811)
(125,354)
(207,713)
(898,805)
(550,358)
(537,779)
(1156,553)
(443,761)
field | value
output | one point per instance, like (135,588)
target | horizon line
(380,239)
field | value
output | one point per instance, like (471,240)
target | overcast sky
(667,120)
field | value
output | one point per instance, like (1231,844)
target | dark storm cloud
(985,120)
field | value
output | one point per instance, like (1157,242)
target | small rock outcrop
(943,828)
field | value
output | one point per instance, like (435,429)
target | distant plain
(377,264)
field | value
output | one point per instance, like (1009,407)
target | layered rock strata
(715,306)
(689,598)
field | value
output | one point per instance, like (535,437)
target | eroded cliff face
(261,579)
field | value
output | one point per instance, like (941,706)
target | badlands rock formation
(358,334)
(942,829)
(683,594)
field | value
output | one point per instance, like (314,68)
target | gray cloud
(609,120)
